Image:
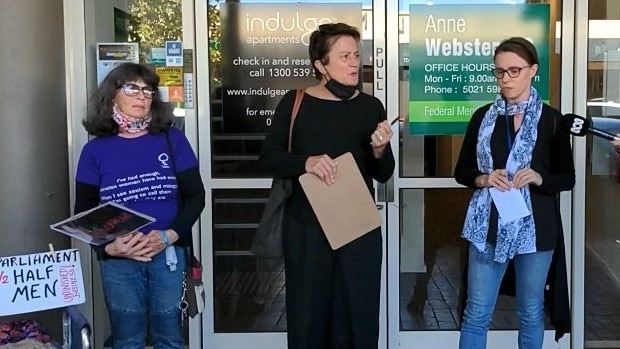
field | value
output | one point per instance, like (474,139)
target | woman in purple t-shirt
(137,160)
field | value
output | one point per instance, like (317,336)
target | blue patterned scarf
(518,236)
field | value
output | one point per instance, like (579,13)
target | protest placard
(40,281)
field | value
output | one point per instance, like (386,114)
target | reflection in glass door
(426,256)
(602,241)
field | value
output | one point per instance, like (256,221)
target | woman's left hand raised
(380,138)
(526,176)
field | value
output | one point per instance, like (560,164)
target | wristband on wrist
(164,237)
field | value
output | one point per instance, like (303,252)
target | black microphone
(580,126)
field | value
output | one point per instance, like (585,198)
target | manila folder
(345,209)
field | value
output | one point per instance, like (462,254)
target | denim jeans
(137,294)
(484,278)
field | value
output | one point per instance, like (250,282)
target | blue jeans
(137,293)
(484,278)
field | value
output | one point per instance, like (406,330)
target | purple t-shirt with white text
(138,172)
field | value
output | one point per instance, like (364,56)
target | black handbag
(268,237)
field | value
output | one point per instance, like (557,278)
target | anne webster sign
(451,49)
(40,281)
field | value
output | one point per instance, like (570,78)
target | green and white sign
(451,49)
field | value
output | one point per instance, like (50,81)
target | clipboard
(345,209)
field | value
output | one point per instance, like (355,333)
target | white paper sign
(40,281)
(510,204)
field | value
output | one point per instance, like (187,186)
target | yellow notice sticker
(170,76)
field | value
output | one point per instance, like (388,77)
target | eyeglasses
(133,90)
(513,72)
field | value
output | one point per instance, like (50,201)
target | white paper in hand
(510,204)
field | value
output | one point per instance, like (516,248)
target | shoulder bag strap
(190,253)
(169,145)
(298,97)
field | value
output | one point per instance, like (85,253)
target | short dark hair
(322,39)
(99,122)
(519,46)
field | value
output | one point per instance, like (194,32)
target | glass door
(438,73)
(599,101)
(249,53)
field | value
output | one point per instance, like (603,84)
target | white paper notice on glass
(510,204)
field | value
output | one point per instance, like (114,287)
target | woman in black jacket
(513,152)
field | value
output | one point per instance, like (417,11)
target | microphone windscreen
(575,124)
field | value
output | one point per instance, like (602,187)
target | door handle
(380,206)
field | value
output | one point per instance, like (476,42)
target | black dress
(332,297)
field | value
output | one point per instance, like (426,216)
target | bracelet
(164,237)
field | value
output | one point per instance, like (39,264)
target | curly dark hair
(99,122)
(322,39)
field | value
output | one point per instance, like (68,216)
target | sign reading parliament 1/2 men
(265,54)
(451,50)
(40,281)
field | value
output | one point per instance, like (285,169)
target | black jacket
(552,159)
